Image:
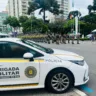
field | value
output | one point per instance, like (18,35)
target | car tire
(56,84)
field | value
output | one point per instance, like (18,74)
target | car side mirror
(28,56)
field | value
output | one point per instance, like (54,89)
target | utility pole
(76,25)
(73,29)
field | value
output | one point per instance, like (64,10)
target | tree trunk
(44,16)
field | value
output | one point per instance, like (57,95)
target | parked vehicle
(27,65)
(89,36)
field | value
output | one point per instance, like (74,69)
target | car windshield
(46,50)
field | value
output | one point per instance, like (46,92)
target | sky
(81,5)
(3,4)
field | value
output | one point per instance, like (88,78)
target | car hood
(66,55)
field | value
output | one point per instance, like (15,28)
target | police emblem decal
(30,72)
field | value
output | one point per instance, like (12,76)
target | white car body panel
(43,66)
(65,55)
(21,78)
(75,69)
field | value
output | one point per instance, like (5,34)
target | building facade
(64,5)
(3,27)
(17,8)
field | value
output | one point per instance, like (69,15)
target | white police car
(27,65)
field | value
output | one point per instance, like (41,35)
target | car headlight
(81,62)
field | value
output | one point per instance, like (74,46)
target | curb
(79,92)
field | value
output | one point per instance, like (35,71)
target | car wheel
(59,81)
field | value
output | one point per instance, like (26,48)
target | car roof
(3,34)
(10,39)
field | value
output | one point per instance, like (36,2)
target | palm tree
(94,3)
(73,14)
(90,7)
(45,5)
(94,6)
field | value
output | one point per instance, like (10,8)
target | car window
(13,50)
(1,50)
(30,43)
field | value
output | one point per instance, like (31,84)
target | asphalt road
(88,50)
(35,92)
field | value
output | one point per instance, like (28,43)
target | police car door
(14,69)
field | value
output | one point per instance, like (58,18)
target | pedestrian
(68,38)
(48,38)
(57,38)
(72,38)
(60,36)
(78,38)
(64,38)
(53,38)
(92,38)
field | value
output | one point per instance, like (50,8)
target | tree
(56,27)
(73,14)
(90,23)
(94,8)
(23,19)
(34,25)
(0,29)
(45,5)
(26,26)
(12,21)
(90,8)
(44,28)
(8,20)
(94,3)
(89,18)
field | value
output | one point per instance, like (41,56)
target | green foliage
(56,27)
(32,7)
(74,14)
(44,28)
(84,39)
(29,25)
(90,7)
(8,20)
(45,5)
(1,29)
(94,3)
(34,25)
(23,19)
(12,21)
(89,18)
